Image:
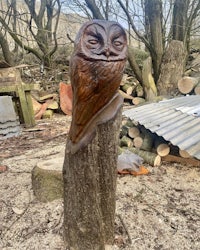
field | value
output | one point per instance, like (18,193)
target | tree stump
(47,180)
(89,190)
(90,166)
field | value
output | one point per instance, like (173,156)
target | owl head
(101,40)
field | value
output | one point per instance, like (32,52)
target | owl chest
(98,73)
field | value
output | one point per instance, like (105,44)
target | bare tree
(40,23)
(161,22)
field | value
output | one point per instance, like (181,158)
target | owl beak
(107,52)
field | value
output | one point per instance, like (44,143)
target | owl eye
(117,43)
(93,41)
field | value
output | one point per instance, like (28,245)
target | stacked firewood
(44,104)
(189,85)
(131,90)
(152,148)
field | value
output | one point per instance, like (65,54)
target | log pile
(152,148)
(189,85)
(131,90)
(44,105)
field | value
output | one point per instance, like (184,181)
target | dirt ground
(158,211)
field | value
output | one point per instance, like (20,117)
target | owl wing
(83,87)
(93,87)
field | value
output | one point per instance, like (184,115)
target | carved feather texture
(96,70)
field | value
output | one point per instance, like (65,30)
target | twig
(18,218)
(125,228)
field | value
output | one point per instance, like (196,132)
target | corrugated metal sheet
(176,120)
(9,122)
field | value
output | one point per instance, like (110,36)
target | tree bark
(91,4)
(172,68)
(179,19)
(47,181)
(134,65)
(148,81)
(89,190)
(153,25)
(8,55)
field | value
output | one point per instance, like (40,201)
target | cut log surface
(138,141)
(138,100)
(197,89)
(149,157)
(47,180)
(127,88)
(187,84)
(125,95)
(133,132)
(184,154)
(163,149)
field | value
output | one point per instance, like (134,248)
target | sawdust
(157,211)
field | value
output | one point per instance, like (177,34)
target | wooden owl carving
(96,69)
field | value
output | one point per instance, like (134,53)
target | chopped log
(48,114)
(187,84)
(149,157)
(161,146)
(46,96)
(43,109)
(66,98)
(124,95)
(124,121)
(47,180)
(138,100)
(184,154)
(138,141)
(185,161)
(124,79)
(126,142)
(36,105)
(127,88)
(129,123)
(123,131)
(133,132)
(53,105)
(148,140)
(163,149)
(139,90)
(197,89)
(41,112)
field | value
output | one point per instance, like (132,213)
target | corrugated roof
(9,122)
(176,120)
